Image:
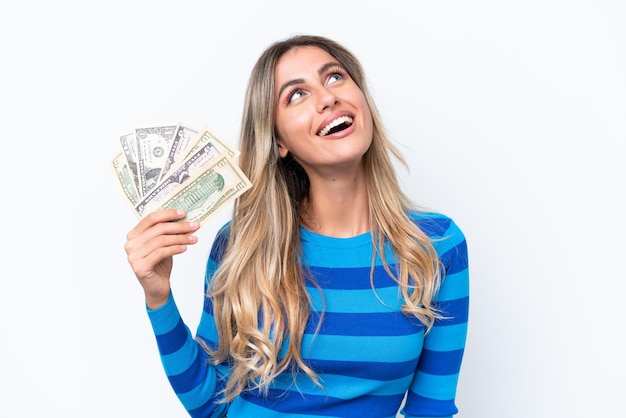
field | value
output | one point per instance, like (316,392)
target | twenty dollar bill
(208,191)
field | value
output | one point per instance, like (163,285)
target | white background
(512,116)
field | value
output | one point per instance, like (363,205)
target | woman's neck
(337,207)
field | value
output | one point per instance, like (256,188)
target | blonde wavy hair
(261,270)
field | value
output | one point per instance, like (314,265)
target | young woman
(328,293)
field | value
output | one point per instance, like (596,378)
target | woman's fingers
(144,257)
(160,235)
(155,218)
(156,238)
(151,246)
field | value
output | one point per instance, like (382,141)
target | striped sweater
(367,354)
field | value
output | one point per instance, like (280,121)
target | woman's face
(322,116)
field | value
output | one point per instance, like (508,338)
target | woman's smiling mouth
(336,125)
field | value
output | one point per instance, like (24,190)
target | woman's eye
(335,77)
(294,95)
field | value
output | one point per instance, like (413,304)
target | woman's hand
(150,247)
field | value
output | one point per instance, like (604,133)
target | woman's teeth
(347,120)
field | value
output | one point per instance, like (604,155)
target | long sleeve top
(369,356)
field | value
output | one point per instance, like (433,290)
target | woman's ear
(282,151)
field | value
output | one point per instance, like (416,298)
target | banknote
(205,135)
(193,163)
(207,192)
(183,138)
(175,166)
(124,177)
(129,148)
(153,146)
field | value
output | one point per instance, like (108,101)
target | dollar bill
(124,177)
(180,174)
(206,135)
(183,138)
(129,149)
(174,166)
(208,191)
(153,147)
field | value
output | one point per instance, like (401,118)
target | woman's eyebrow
(289,83)
(328,65)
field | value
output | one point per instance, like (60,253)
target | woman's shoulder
(435,224)
(446,236)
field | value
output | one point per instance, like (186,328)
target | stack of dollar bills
(176,167)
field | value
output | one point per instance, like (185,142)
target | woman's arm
(433,390)
(150,247)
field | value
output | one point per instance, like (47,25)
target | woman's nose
(326,99)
